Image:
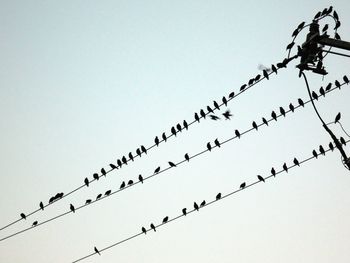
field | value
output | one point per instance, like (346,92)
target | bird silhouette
(301,102)
(98,196)
(131,157)
(243,87)
(314,95)
(331,147)
(59,196)
(165,220)
(322,92)
(237,133)
(178,127)
(261,178)
(202,113)
(124,160)
(209,109)
(184,211)
(231,95)
(157,170)
(218,196)
(107,193)
(23,216)
(119,162)
(35,223)
(337,118)
(337,84)
(86,181)
(41,206)
(88,201)
(295,32)
(217,143)
(291,107)
(346,80)
(187,157)
(216,105)
(51,199)
(113,166)
(283,112)
(322,150)
(196,117)
(273,172)
(143,149)
(185,124)
(140,178)
(274,69)
(195,205)
(209,146)
(96,177)
(227,114)
(122,185)
(173,131)
(72,208)
(153,227)
(257,77)
(342,141)
(138,152)
(274,115)
(144,230)
(314,153)
(285,167)
(265,121)
(214,117)
(296,162)
(156,140)
(266,75)
(164,137)
(328,87)
(242,186)
(172,164)
(203,203)
(251,81)
(255,126)
(103,171)
(224,101)
(130,182)
(290,45)
(96,251)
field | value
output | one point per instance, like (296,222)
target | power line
(232,95)
(284,169)
(177,164)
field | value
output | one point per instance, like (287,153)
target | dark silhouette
(301,102)
(243,87)
(237,133)
(342,140)
(35,223)
(251,81)
(72,208)
(153,227)
(265,121)
(172,164)
(216,105)
(266,75)
(195,205)
(165,219)
(95,176)
(98,196)
(143,149)
(296,162)
(23,216)
(196,117)
(96,251)
(202,113)
(331,147)
(231,95)
(203,203)
(103,171)
(130,182)
(242,186)
(283,112)
(217,143)
(131,157)
(140,178)
(86,182)
(209,146)
(322,150)
(119,162)
(227,114)
(88,201)
(337,118)
(274,69)
(224,100)
(261,178)
(157,170)
(184,211)
(322,92)
(273,172)
(210,109)
(144,230)
(113,166)
(185,124)
(346,80)
(178,127)
(314,153)
(214,117)
(257,77)
(156,140)
(173,131)
(218,196)
(187,157)
(314,95)
(122,185)
(285,167)
(51,199)
(329,86)
(255,126)
(337,84)
(164,137)
(274,115)
(290,45)
(124,160)
(138,152)
(107,193)
(291,107)
(41,206)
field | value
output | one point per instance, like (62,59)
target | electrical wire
(206,205)
(161,171)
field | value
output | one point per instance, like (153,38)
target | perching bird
(156,140)
(331,147)
(322,150)
(72,208)
(184,211)
(51,199)
(131,157)
(301,102)
(342,141)
(157,170)
(209,146)
(237,133)
(203,203)
(291,107)
(273,172)
(172,164)
(164,137)
(178,127)
(322,92)
(187,157)
(41,206)
(266,75)
(242,186)
(103,171)
(274,115)
(173,131)
(35,223)
(124,160)
(86,181)
(144,230)
(290,45)
(314,153)
(130,182)
(122,185)
(185,124)
(265,121)
(261,178)
(138,152)
(195,205)
(216,105)
(119,162)
(274,69)
(231,95)
(251,81)
(337,84)
(143,149)
(113,166)
(243,87)
(196,117)
(98,196)
(107,193)
(314,95)
(329,86)
(96,251)
(153,227)
(217,143)
(210,109)
(88,201)
(218,196)
(202,113)
(296,162)
(165,219)
(346,80)
(337,118)
(23,216)
(283,112)
(227,114)
(255,126)
(95,176)
(141,178)
(214,117)
(285,167)
(224,100)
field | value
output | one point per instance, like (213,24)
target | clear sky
(83,83)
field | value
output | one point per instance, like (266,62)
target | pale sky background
(82,83)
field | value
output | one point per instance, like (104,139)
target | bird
(165,219)
(291,107)
(187,157)
(140,178)
(203,203)
(251,81)
(153,227)
(243,87)
(257,77)
(107,193)
(23,216)
(214,117)
(322,150)
(173,131)
(35,223)
(301,102)
(122,185)
(178,127)
(337,84)
(273,172)
(196,117)
(265,121)
(185,124)
(195,205)
(231,95)
(156,141)
(295,32)
(119,162)
(218,196)
(337,118)
(202,113)
(138,152)
(237,133)
(209,109)
(96,177)
(98,196)
(331,147)
(86,181)
(224,101)
(209,146)
(261,178)
(143,149)
(255,126)
(172,164)
(51,199)
(227,114)
(274,69)
(217,143)
(88,201)
(157,170)
(266,75)
(342,141)
(290,45)
(282,111)
(329,86)
(103,171)
(322,92)
(285,167)
(314,153)
(164,136)
(274,115)
(130,182)
(131,157)
(242,186)
(184,211)
(296,162)
(41,206)
(124,160)
(144,230)
(216,105)
(72,208)
(113,166)
(346,80)
(314,95)
(96,251)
